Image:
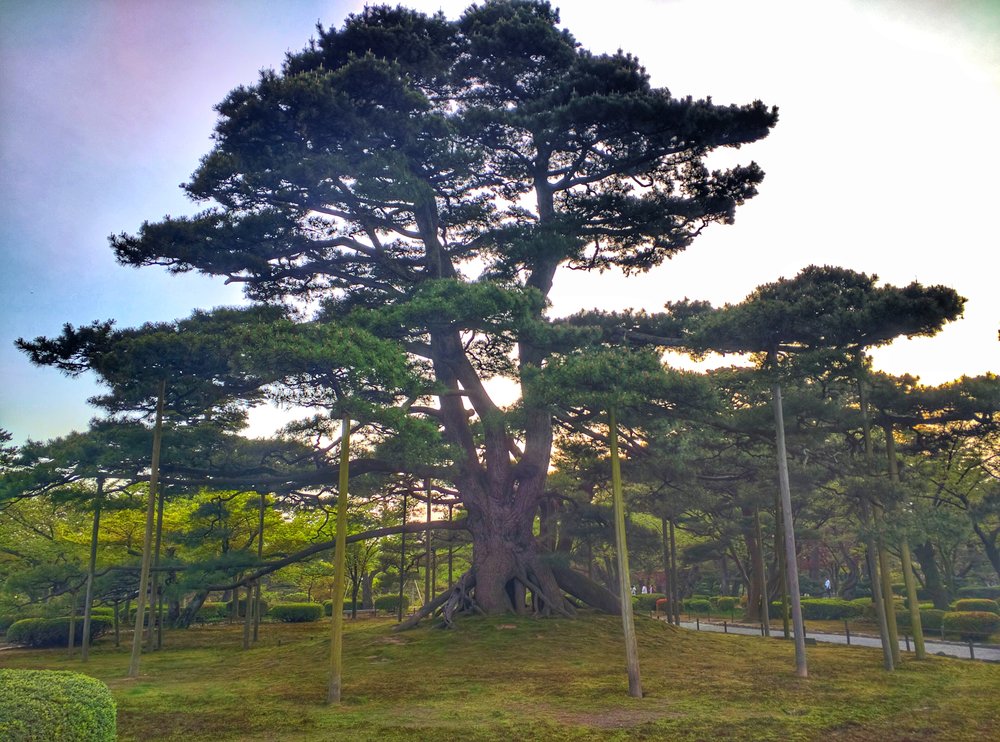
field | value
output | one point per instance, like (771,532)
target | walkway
(990,653)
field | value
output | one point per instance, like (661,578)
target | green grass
(503,679)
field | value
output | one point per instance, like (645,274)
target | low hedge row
(993,593)
(970,625)
(930,619)
(830,609)
(976,604)
(55,705)
(297,612)
(54,632)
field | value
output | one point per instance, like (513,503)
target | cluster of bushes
(930,619)
(297,612)
(646,602)
(54,632)
(55,705)
(700,604)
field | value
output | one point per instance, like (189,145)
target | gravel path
(990,653)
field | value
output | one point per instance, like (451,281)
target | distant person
(644,590)
(827,587)
(633,589)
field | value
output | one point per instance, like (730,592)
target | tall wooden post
(147,541)
(91,568)
(791,560)
(904,547)
(339,563)
(402,561)
(428,586)
(624,580)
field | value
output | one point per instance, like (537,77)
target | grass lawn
(514,679)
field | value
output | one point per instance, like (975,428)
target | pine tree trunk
(932,576)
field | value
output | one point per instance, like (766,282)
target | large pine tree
(426,178)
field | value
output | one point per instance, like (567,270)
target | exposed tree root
(457,599)
(546,584)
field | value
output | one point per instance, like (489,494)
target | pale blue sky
(885,159)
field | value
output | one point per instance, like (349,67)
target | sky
(885,159)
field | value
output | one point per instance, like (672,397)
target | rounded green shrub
(390,603)
(930,619)
(53,632)
(970,625)
(697,605)
(55,705)
(829,609)
(297,612)
(976,604)
(775,607)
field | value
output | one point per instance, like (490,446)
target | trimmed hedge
(55,705)
(829,609)
(297,612)
(975,604)
(993,593)
(869,610)
(930,619)
(54,632)
(390,603)
(971,625)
